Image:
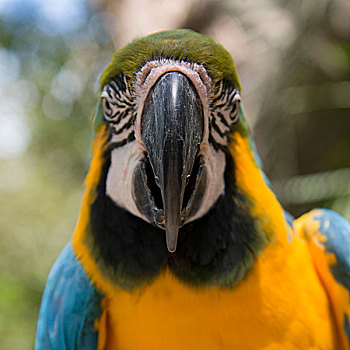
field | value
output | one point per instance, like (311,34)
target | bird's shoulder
(69,308)
(328,237)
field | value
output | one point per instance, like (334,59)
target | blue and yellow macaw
(181,243)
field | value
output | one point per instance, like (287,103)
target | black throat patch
(217,249)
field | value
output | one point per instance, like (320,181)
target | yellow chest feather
(279,305)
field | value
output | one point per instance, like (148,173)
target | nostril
(156,178)
(153,185)
(191,182)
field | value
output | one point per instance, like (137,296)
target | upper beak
(172,130)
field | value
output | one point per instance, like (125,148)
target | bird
(181,242)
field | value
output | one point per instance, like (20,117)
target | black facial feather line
(223,113)
(119,110)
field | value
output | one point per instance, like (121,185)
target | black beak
(172,130)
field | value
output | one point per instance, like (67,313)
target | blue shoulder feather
(69,307)
(336,230)
(333,234)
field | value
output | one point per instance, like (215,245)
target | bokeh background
(293,59)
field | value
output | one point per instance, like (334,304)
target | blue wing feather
(69,307)
(336,230)
(333,234)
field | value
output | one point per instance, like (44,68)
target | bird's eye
(232,104)
(106,106)
(235,112)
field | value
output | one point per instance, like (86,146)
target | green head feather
(181,44)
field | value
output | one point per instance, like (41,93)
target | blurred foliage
(294,63)
(48,91)
(303,128)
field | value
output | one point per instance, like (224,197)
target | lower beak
(172,129)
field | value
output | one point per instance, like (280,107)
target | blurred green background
(294,62)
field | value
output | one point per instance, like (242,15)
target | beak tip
(170,250)
(171,241)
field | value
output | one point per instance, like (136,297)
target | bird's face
(173,162)
(169,126)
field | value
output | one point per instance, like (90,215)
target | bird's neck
(120,250)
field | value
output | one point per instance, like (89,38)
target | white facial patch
(119,183)
(215,163)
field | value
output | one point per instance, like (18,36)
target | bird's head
(170,101)
(174,158)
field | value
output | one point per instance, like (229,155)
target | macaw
(181,242)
